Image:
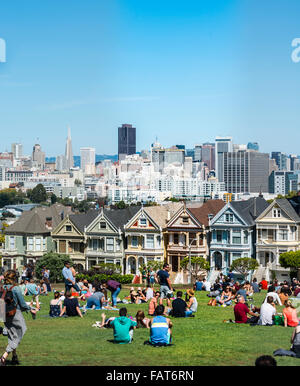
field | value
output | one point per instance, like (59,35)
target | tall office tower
(61,163)
(87,159)
(280,159)
(246,171)
(197,153)
(69,152)
(126,141)
(157,157)
(222,146)
(208,155)
(38,157)
(174,155)
(17,150)
(252,146)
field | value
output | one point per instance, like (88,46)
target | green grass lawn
(201,341)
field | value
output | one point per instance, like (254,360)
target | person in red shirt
(241,311)
(264,284)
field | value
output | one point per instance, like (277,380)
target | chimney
(48,222)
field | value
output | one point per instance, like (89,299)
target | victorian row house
(134,236)
(29,238)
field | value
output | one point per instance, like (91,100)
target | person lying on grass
(160,328)
(71,306)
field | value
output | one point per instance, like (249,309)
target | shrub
(123,279)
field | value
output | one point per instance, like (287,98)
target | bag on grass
(278,320)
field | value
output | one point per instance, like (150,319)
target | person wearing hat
(192,301)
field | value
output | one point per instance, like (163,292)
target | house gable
(66,228)
(101,225)
(227,216)
(275,213)
(141,221)
(184,219)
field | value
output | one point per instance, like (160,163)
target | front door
(218,261)
(174,262)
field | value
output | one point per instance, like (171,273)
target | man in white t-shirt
(206,285)
(267,312)
(271,292)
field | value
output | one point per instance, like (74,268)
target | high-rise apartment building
(87,159)
(282,182)
(126,141)
(17,150)
(280,159)
(246,171)
(222,146)
(38,157)
(208,155)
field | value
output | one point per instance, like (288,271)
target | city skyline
(171,70)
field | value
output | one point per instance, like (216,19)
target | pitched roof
(34,221)
(209,207)
(161,213)
(287,207)
(119,217)
(250,209)
(82,220)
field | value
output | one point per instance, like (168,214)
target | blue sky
(184,71)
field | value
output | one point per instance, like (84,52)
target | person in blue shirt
(163,278)
(160,328)
(69,278)
(198,285)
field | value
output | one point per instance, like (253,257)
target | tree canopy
(198,265)
(290,260)
(244,265)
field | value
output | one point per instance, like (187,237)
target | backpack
(7,300)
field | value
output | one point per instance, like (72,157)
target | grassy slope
(203,340)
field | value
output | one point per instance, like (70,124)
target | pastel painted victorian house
(233,233)
(187,232)
(105,237)
(70,239)
(144,236)
(278,231)
(29,238)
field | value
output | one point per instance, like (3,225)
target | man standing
(162,277)
(69,278)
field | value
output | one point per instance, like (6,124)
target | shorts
(165,292)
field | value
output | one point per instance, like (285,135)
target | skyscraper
(38,157)
(87,159)
(17,150)
(222,145)
(126,141)
(69,152)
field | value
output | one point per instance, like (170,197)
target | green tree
(53,198)
(244,265)
(38,194)
(291,260)
(53,261)
(198,265)
(77,182)
(121,205)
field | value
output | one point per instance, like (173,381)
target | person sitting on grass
(241,311)
(141,320)
(192,301)
(154,303)
(123,327)
(71,306)
(242,292)
(32,290)
(290,315)
(149,293)
(141,298)
(43,288)
(160,328)
(225,298)
(55,305)
(271,292)
(180,308)
(267,312)
(283,295)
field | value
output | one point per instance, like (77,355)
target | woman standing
(15,325)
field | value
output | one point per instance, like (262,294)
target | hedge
(123,279)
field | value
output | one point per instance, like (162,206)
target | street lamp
(190,264)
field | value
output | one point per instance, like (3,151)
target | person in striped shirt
(160,328)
